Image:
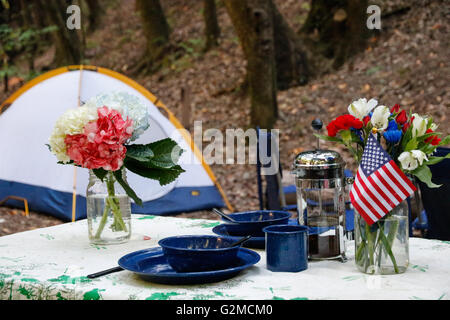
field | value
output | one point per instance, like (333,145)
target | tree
(253,22)
(335,29)
(95,10)
(290,56)
(212,29)
(156,31)
(69,49)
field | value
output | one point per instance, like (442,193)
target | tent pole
(74,190)
(74,193)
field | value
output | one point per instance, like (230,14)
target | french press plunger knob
(317,125)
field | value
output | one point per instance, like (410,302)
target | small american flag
(379,184)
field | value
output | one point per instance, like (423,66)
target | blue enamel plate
(236,232)
(151,265)
(233,231)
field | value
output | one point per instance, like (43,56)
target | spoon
(240,241)
(220,213)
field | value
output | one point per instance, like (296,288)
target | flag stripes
(379,184)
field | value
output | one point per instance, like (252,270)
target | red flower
(344,122)
(101,144)
(433,140)
(366,120)
(407,124)
(395,108)
(401,118)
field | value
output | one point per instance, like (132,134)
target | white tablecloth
(52,263)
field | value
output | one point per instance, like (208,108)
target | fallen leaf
(366,88)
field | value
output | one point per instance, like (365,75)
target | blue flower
(392,133)
(392,125)
(358,133)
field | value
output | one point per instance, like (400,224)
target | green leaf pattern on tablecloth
(149,217)
(65,279)
(352,278)
(162,295)
(47,236)
(54,264)
(420,268)
(94,294)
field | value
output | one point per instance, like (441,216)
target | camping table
(52,263)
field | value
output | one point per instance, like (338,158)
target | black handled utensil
(240,241)
(220,213)
(104,272)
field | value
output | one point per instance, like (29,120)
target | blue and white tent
(28,170)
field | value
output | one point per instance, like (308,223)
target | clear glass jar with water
(108,210)
(383,247)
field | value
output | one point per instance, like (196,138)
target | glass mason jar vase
(383,247)
(108,210)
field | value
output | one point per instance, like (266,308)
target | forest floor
(406,63)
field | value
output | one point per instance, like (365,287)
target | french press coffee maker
(320,187)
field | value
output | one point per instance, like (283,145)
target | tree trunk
(67,42)
(28,23)
(156,31)
(336,29)
(290,58)
(212,29)
(95,13)
(253,22)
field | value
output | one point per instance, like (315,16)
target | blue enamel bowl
(253,222)
(196,253)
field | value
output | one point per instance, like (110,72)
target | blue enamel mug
(286,248)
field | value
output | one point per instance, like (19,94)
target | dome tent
(30,171)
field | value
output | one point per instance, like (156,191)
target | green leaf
(427,135)
(157,160)
(166,147)
(356,139)
(346,136)
(127,188)
(164,153)
(423,173)
(140,152)
(434,160)
(411,145)
(71,162)
(427,148)
(406,137)
(328,138)
(167,154)
(162,175)
(100,173)
(445,141)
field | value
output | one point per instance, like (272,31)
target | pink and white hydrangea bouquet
(98,136)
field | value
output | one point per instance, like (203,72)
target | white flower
(128,105)
(361,108)
(380,117)
(433,126)
(410,160)
(70,123)
(419,125)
